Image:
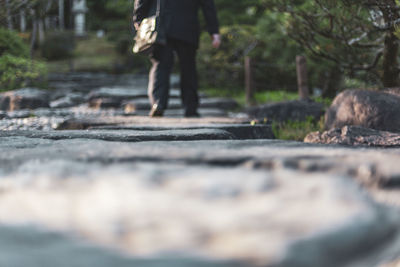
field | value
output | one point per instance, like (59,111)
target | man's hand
(136,25)
(216,40)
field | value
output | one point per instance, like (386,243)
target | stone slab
(22,246)
(220,103)
(128,135)
(104,120)
(149,210)
(122,93)
(240,131)
(179,113)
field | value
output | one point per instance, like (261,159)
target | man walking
(180,23)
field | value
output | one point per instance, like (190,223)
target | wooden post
(249,83)
(302,81)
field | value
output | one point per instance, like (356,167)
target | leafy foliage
(240,12)
(17,72)
(355,36)
(12,44)
(16,69)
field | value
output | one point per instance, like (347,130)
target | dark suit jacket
(179,18)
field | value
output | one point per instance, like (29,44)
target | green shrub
(58,45)
(11,43)
(18,72)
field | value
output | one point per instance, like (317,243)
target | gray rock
(30,246)
(99,103)
(69,100)
(355,136)
(129,136)
(27,98)
(240,131)
(86,122)
(3,115)
(133,106)
(123,93)
(284,111)
(158,209)
(210,103)
(369,109)
(204,112)
(20,114)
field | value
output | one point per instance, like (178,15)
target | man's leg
(187,61)
(159,77)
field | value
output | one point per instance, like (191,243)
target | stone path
(83,186)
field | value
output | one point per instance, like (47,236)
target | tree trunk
(34,32)
(390,77)
(22,20)
(61,14)
(390,64)
(302,77)
(41,31)
(9,17)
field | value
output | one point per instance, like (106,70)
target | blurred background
(347,44)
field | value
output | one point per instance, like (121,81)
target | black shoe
(194,114)
(156,111)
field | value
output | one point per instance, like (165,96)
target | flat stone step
(129,135)
(179,113)
(87,122)
(148,209)
(124,93)
(240,131)
(156,133)
(215,103)
(30,246)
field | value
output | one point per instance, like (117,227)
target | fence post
(302,81)
(249,82)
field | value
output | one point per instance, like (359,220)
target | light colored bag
(148,33)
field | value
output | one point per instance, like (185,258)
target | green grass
(297,130)
(275,96)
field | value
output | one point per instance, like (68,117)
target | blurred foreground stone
(278,204)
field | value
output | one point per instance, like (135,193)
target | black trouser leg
(187,61)
(159,76)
